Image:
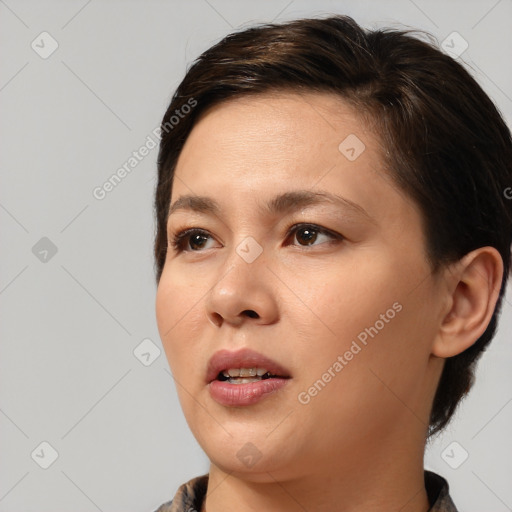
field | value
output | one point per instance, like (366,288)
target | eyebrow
(287,202)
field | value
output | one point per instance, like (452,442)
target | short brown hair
(446,143)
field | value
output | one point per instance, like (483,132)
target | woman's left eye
(309,234)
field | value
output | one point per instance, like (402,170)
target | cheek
(369,314)
(178,314)
(346,298)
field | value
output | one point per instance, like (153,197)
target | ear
(474,284)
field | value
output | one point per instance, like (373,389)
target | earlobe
(475,283)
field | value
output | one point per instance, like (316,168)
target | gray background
(72,320)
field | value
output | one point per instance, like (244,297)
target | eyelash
(177,240)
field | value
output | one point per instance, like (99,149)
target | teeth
(244,380)
(244,372)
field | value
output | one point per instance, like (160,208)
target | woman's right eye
(191,239)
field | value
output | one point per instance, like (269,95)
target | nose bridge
(244,268)
(243,290)
(249,250)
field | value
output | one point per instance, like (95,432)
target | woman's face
(307,255)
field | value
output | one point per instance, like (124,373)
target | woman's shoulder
(189,497)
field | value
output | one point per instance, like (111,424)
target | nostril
(217,319)
(251,313)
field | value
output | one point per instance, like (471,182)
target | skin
(358,444)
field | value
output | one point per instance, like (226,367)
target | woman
(332,249)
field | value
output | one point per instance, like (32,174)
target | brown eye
(311,235)
(197,241)
(306,235)
(190,240)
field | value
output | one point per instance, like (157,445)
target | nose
(245,292)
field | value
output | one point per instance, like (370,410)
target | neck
(373,481)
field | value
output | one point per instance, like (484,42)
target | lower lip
(244,394)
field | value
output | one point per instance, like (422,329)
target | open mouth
(246,375)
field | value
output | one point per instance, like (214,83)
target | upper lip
(244,358)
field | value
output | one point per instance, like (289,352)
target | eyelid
(298,225)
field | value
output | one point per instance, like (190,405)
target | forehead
(297,133)
(283,114)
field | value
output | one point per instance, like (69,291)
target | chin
(252,459)
(264,470)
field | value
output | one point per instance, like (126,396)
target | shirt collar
(190,496)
